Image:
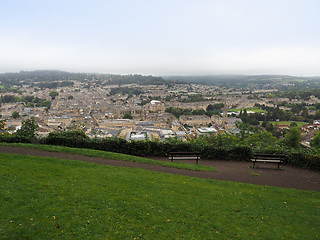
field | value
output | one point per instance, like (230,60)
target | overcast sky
(161,37)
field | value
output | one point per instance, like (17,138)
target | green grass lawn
(111,155)
(48,198)
(299,124)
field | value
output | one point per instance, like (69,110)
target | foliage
(136,79)
(70,138)
(315,141)
(177,112)
(293,138)
(53,94)
(125,90)
(249,118)
(15,114)
(127,116)
(27,132)
(27,100)
(2,125)
(55,79)
(246,130)
(293,124)
(239,147)
(219,140)
(53,85)
(260,141)
(217,106)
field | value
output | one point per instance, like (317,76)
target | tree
(293,124)
(261,140)
(2,125)
(127,116)
(264,124)
(45,103)
(15,115)
(246,130)
(28,129)
(293,138)
(53,94)
(269,127)
(315,141)
(217,106)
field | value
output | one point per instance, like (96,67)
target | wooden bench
(268,158)
(184,156)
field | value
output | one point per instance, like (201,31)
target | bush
(241,153)
(215,150)
(71,138)
(303,160)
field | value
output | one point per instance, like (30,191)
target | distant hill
(55,75)
(232,81)
(235,81)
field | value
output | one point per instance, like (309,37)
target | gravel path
(289,177)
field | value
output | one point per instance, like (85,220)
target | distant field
(253,109)
(1,86)
(48,198)
(299,124)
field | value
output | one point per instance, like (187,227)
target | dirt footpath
(289,177)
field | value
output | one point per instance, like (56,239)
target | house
(134,136)
(195,120)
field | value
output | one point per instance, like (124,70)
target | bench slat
(184,156)
(268,158)
(261,160)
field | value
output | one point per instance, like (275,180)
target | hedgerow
(216,150)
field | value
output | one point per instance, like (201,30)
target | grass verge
(254,174)
(111,155)
(48,198)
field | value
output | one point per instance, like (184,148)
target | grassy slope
(111,155)
(47,198)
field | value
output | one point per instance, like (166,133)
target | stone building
(195,120)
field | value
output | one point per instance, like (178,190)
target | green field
(299,124)
(48,198)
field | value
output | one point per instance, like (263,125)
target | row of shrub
(78,139)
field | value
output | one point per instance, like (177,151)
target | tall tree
(293,138)
(53,94)
(15,115)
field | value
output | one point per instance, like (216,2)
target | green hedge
(78,139)
(303,160)
(17,139)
